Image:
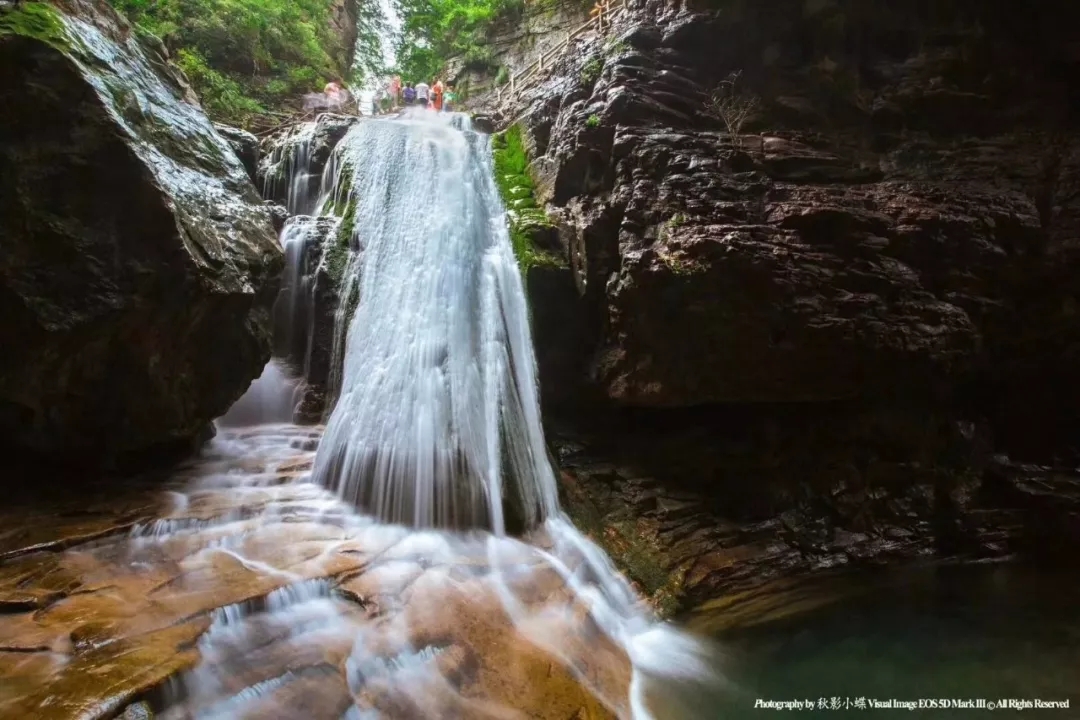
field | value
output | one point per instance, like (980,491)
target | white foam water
(437,423)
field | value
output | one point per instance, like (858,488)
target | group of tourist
(436,96)
(335,97)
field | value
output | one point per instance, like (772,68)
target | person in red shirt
(437,95)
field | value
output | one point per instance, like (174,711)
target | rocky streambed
(241,589)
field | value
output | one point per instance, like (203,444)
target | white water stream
(436,431)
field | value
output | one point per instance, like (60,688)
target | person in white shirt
(423,93)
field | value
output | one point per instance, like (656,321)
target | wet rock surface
(244,145)
(292,161)
(306,312)
(260,594)
(844,315)
(139,264)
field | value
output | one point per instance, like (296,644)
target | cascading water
(291,176)
(437,424)
(437,421)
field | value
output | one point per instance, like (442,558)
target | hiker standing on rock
(333,92)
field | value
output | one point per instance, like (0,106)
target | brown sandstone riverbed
(243,590)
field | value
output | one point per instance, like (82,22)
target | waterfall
(438,422)
(437,427)
(292,177)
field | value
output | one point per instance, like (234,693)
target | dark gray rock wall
(138,263)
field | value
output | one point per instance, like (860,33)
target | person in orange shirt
(437,95)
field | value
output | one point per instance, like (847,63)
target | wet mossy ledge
(343,205)
(37,20)
(526,221)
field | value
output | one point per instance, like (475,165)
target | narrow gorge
(724,356)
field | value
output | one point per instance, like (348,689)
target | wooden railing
(602,15)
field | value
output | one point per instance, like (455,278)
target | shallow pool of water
(973,632)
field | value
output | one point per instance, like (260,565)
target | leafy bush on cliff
(433,31)
(245,55)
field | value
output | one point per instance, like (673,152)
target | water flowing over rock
(139,263)
(292,162)
(248,591)
(438,422)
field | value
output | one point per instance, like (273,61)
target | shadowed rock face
(244,145)
(898,214)
(138,264)
(817,336)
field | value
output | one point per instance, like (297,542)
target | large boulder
(139,264)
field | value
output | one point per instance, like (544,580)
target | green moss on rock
(515,184)
(342,204)
(37,20)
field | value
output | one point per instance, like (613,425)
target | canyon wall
(835,318)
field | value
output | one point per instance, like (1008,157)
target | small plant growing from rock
(673,222)
(590,71)
(593,121)
(617,47)
(733,106)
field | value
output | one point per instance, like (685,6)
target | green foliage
(479,57)
(590,71)
(37,20)
(433,31)
(503,76)
(592,121)
(516,188)
(616,47)
(221,96)
(242,55)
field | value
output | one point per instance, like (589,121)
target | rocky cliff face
(343,16)
(516,40)
(139,263)
(888,243)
